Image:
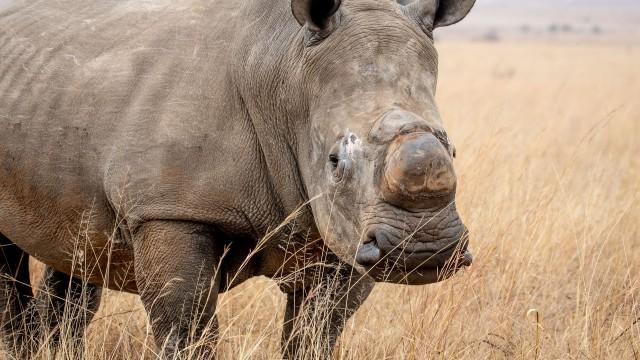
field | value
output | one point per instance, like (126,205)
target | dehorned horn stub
(418,166)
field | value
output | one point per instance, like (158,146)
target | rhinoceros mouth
(386,271)
(414,267)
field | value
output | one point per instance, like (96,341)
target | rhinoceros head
(379,155)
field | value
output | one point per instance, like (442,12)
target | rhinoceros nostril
(368,254)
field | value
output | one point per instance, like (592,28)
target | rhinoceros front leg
(176,267)
(316,315)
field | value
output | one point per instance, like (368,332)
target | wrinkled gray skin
(159,141)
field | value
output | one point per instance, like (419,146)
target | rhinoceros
(175,148)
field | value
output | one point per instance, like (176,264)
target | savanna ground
(548,140)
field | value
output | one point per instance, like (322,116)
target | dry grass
(548,141)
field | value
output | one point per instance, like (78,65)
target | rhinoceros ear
(317,14)
(439,12)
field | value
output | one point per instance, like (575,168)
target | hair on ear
(316,14)
(450,12)
(438,13)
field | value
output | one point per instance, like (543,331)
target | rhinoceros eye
(334,160)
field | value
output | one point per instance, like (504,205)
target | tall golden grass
(548,140)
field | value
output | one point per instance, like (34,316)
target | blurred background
(610,21)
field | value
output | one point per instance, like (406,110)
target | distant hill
(572,20)
(561,3)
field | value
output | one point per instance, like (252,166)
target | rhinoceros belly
(62,219)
